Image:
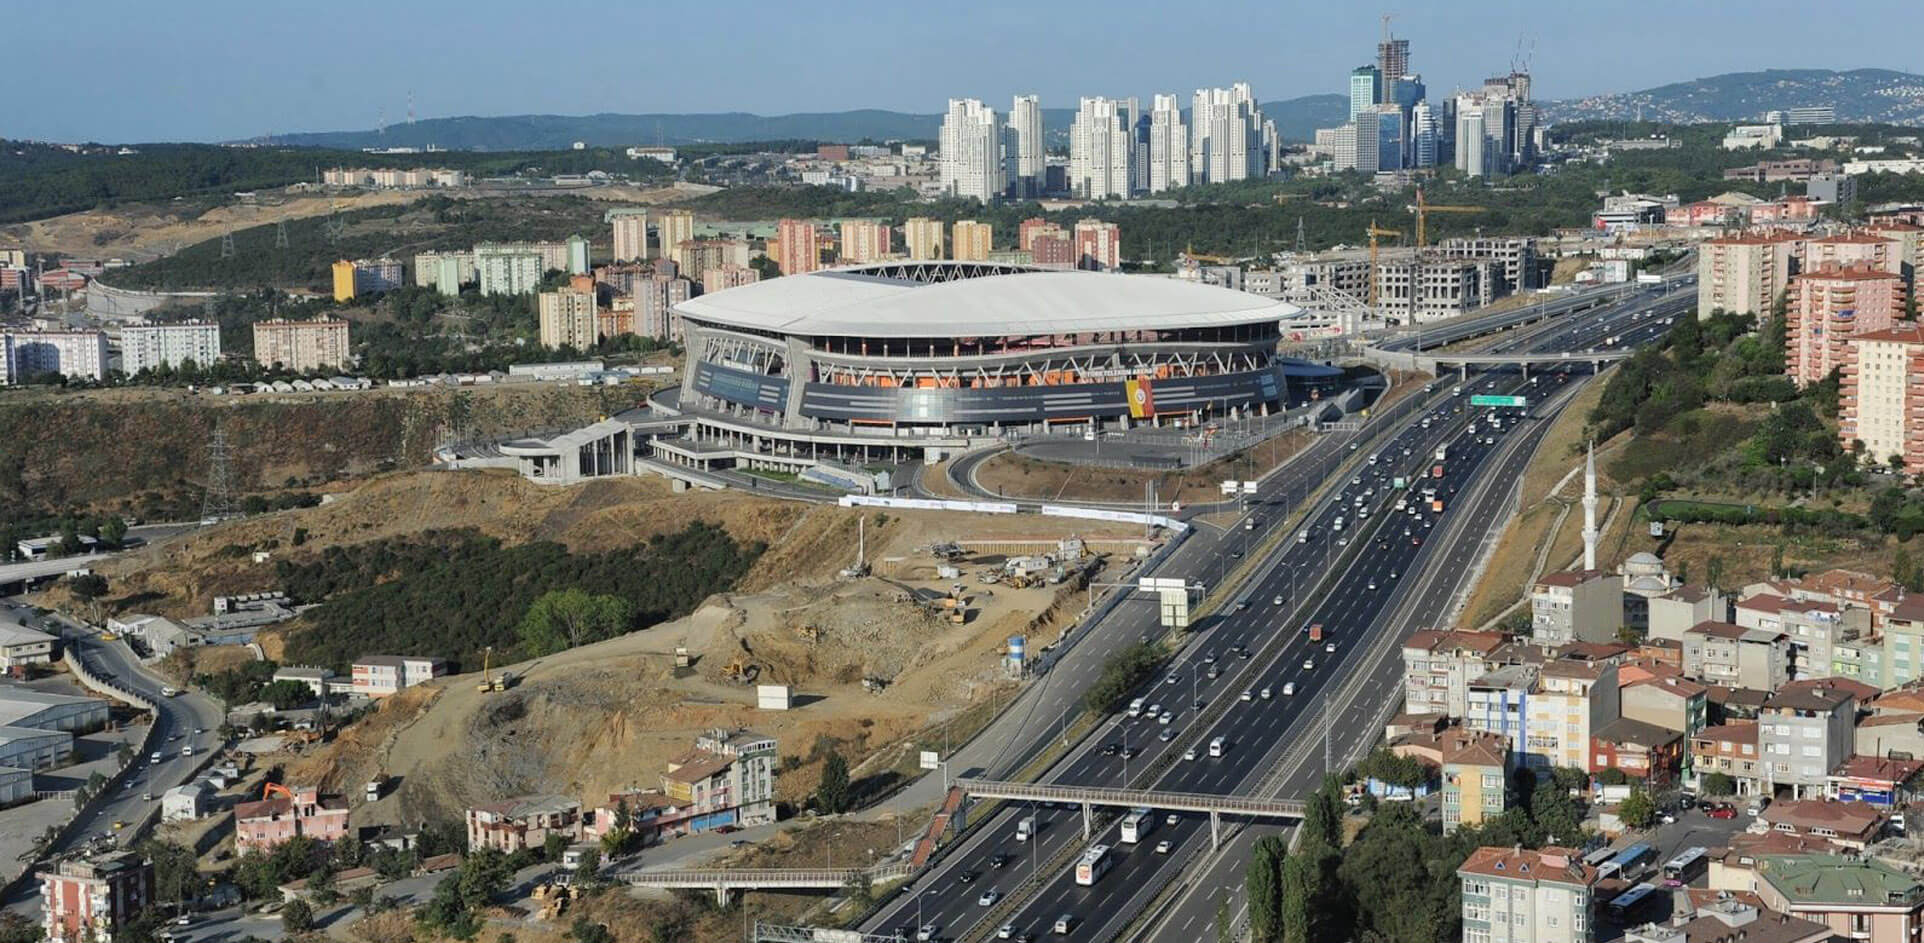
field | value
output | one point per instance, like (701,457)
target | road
(1255,732)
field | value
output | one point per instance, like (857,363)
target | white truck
(1442,453)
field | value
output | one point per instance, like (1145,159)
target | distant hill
(1295,118)
(1859,95)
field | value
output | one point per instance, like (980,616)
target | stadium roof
(860,302)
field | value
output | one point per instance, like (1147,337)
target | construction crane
(1375,231)
(1423,209)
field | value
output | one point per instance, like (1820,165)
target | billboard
(1142,399)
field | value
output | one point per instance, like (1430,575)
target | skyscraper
(1389,138)
(1470,138)
(971,145)
(1168,155)
(1226,139)
(1025,119)
(1365,89)
(1393,58)
(1422,135)
(1100,145)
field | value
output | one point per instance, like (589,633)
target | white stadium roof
(856,303)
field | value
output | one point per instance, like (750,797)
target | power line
(218,504)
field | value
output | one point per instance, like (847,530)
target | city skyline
(185,77)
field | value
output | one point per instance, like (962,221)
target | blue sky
(220,69)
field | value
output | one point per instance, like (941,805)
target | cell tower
(227,244)
(218,504)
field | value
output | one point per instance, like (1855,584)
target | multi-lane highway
(1392,562)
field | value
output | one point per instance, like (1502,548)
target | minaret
(1590,508)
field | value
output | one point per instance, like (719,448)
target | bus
(1092,865)
(1595,859)
(1685,867)
(1628,900)
(1631,858)
(1137,824)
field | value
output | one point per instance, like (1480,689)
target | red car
(1722,812)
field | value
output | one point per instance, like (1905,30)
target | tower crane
(1424,208)
(1375,231)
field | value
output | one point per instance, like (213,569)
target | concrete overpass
(724,880)
(1088,797)
(1434,363)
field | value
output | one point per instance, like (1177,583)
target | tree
(589,870)
(553,847)
(1637,810)
(89,587)
(297,916)
(1714,572)
(1777,561)
(285,694)
(1299,892)
(588,931)
(562,619)
(832,794)
(1719,784)
(114,532)
(1263,888)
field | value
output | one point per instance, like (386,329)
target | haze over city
(228,69)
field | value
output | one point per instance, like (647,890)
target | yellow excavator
(489,680)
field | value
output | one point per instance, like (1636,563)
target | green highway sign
(1498,401)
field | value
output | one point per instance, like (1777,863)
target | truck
(1316,632)
(1436,471)
(374,787)
(1442,452)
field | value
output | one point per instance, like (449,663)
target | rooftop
(13,633)
(1570,577)
(1636,732)
(1558,865)
(524,806)
(1846,818)
(1837,879)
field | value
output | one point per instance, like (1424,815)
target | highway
(1256,732)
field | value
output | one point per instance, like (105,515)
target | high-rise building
(1744,274)
(1031,156)
(1389,138)
(923,237)
(1359,143)
(1365,89)
(673,228)
(1027,231)
(655,301)
(151,346)
(301,346)
(724,277)
(705,254)
(630,233)
(444,272)
(1098,245)
(1167,159)
(1393,58)
(578,261)
(365,277)
(508,268)
(1226,136)
(1100,145)
(863,241)
(1423,143)
(567,315)
(971,151)
(1827,307)
(90,900)
(800,251)
(1881,403)
(1470,139)
(80,355)
(971,241)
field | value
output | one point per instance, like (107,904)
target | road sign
(930,759)
(1498,401)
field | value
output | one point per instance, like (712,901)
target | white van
(1025,828)
(1216,747)
(1135,707)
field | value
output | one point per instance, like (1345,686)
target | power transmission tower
(335,227)
(218,504)
(1301,243)
(280,234)
(227,244)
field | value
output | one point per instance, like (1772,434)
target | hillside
(1296,118)
(1877,95)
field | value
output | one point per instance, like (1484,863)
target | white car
(1005,932)
(1277,601)
(1309,664)
(1265,694)
(1165,718)
(1172,679)
(926,934)
(1162,847)
(1329,647)
(1189,754)
(1166,735)
(1249,695)
(1289,688)
(988,898)
(1171,819)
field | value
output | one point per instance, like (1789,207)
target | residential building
(1813,628)
(1515,895)
(1881,404)
(1859,658)
(382,675)
(1728,920)
(1498,702)
(183,803)
(578,261)
(510,825)
(705,254)
(1859,898)
(91,899)
(1880,781)
(1571,702)
(655,300)
(1098,245)
(21,646)
(1225,135)
(299,811)
(302,346)
(727,779)
(1745,273)
(1031,152)
(1806,729)
(316,679)
(1476,778)
(1439,666)
(1830,305)
(1730,749)
(567,315)
(1722,653)
(1902,631)
(672,228)
(1831,188)
(861,241)
(799,250)
(1517,254)
(971,241)
(1411,290)
(1168,156)
(78,355)
(1639,750)
(445,272)
(365,276)
(1676,704)
(722,278)
(923,237)
(970,149)
(508,269)
(630,225)
(1101,148)
(1675,612)
(1576,605)
(1027,231)
(154,345)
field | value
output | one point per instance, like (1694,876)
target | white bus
(1685,867)
(1092,865)
(1138,823)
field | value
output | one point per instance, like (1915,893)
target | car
(1155,710)
(1277,601)
(1721,812)
(1209,658)
(183,920)
(1289,688)
(120,825)
(1392,574)
(1172,679)
(1166,736)
(999,862)
(1309,664)
(1755,809)
(1668,818)
(1199,703)
(1171,819)
(1372,586)
(1165,718)
(1111,749)
(1005,932)
(988,898)
(1686,801)
(966,877)
(1248,695)
(1189,754)
(187,751)
(146,797)
(1264,694)
(1329,647)
(926,934)
(153,757)
(1162,847)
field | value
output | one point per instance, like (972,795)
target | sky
(206,70)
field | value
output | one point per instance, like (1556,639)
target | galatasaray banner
(1142,401)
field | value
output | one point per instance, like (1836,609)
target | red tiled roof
(1550,863)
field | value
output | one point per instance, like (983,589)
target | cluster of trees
(453,593)
(20,522)
(1122,673)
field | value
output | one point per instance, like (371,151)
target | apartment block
(800,249)
(724,277)
(1860,899)
(78,355)
(705,254)
(1805,730)
(1812,626)
(382,675)
(727,779)
(302,346)
(1881,401)
(1518,257)
(630,231)
(299,811)
(508,269)
(1439,666)
(1674,613)
(863,241)
(511,825)
(1639,750)
(153,346)
(1744,274)
(923,237)
(672,228)
(366,276)
(567,315)
(1879,781)
(971,241)
(92,899)
(1676,704)
(1730,749)
(1729,655)
(1576,605)
(1570,703)
(1828,306)
(1476,778)
(1098,245)
(1515,895)
(1498,702)
(445,272)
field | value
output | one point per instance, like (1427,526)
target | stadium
(873,362)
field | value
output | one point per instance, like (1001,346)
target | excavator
(269,789)
(489,680)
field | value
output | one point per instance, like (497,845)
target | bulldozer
(741,671)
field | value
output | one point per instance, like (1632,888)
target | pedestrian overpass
(724,880)
(1089,797)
